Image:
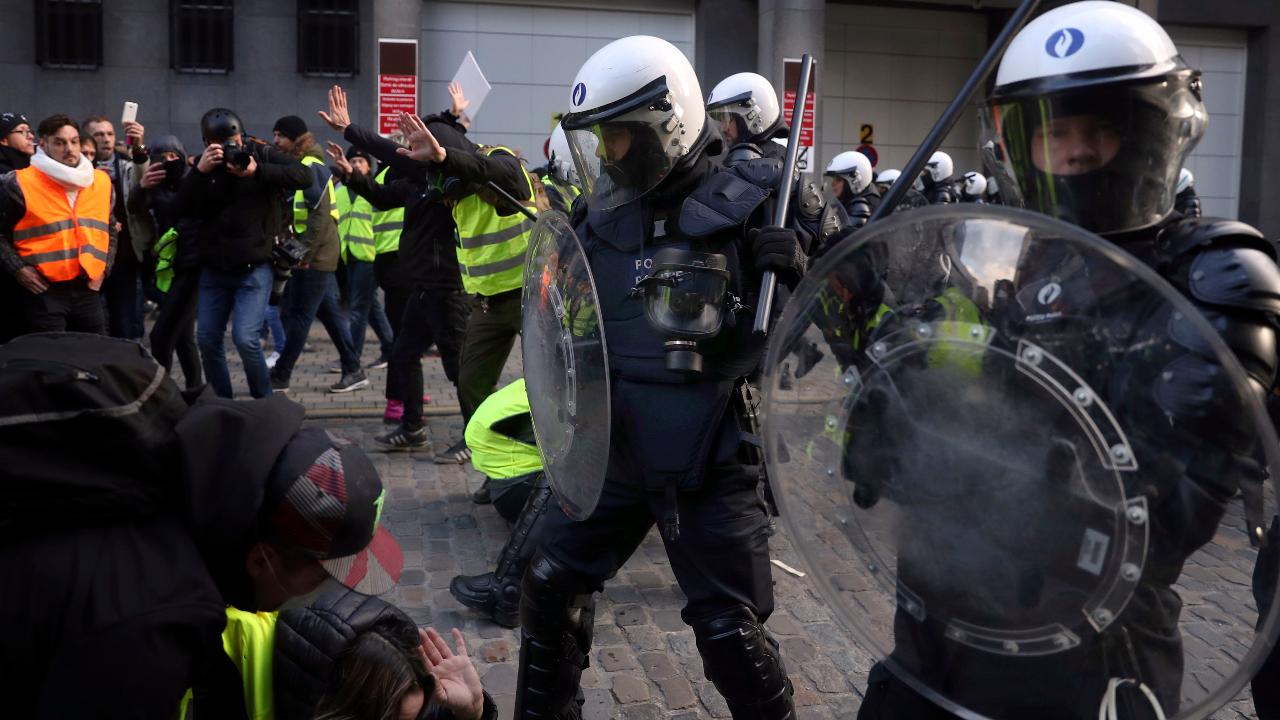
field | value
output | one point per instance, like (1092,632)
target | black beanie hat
(9,121)
(291,126)
(354,152)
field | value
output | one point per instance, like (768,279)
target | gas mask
(684,299)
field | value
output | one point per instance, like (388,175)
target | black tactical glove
(778,249)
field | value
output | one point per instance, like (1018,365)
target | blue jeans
(313,294)
(275,327)
(242,298)
(362,291)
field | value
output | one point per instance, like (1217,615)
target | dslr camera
(286,255)
(236,156)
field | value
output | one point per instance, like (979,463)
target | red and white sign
(397,82)
(790,79)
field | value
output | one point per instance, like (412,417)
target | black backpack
(86,432)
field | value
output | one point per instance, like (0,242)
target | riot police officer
(745,108)
(1101,149)
(973,187)
(915,194)
(561,180)
(1187,202)
(993,191)
(850,174)
(652,194)
(939,188)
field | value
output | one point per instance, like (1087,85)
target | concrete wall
(263,86)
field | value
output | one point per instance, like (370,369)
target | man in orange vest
(56,234)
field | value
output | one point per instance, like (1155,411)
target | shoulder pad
(1240,277)
(741,153)
(724,201)
(808,200)
(761,172)
(1189,234)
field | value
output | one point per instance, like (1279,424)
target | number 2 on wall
(867,136)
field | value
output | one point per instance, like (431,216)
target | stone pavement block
(669,620)
(629,689)
(657,666)
(798,650)
(711,700)
(783,625)
(499,679)
(630,615)
(599,705)
(826,678)
(645,637)
(614,659)
(677,692)
(647,711)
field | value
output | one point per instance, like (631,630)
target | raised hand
(339,158)
(457,683)
(423,146)
(338,116)
(460,101)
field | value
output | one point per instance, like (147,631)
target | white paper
(474,86)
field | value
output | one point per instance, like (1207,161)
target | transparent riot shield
(565,365)
(1016,472)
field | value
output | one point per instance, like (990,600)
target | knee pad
(742,660)
(557,616)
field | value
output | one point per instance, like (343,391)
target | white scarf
(72,178)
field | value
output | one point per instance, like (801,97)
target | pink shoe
(426,399)
(394,412)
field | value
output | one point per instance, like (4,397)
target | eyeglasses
(26,132)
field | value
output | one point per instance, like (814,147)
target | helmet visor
(1104,158)
(620,160)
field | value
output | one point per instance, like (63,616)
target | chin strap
(1108,710)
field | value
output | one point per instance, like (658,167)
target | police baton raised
(514,202)
(769,282)
(949,116)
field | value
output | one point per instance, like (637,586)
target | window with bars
(69,34)
(200,36)
(328,37)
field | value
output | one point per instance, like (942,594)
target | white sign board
(474,87)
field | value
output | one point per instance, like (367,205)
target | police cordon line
(1012,421)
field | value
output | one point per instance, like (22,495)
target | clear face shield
(1104,158)
(623,152)
(738,118)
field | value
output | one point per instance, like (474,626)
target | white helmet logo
(579,93)
(1049,293)
(1064,43)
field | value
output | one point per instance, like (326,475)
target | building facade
(885,71)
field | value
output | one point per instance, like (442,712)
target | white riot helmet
(887,178)
(635,113)
(1094,112)
(975,184)
(993,187)
(1185,180)
(853,168)
(560,159)
(746,106)
(940,167)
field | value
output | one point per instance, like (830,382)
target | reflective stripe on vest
(387,224)
(61,241)
(491,247)
(355,225)
(961,336)
(499,456)
(300,210)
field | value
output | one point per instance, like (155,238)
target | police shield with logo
(1032,473)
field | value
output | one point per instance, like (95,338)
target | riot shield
(1016,473)
(566,367)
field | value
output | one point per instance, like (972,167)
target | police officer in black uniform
(851,184)
(939,187)
(655,197)
(1102,150)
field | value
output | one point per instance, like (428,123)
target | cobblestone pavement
(644,663)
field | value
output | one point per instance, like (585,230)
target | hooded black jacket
(119,620)
(163,204)
(239,218)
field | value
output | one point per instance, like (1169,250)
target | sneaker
(279,384)
(335,368)
(394,412)
(457,454)
(350,381)
(272,358)
(402,439)
(378,364)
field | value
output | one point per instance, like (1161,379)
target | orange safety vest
(60,240)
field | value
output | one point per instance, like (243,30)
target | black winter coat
(240,218)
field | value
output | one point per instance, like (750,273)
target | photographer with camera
(237,196)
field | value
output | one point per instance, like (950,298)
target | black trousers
(720,559)
(65,306)
(492,327)
(396,288)
(12,322)
(432,315)
(123,293)
(175,327)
